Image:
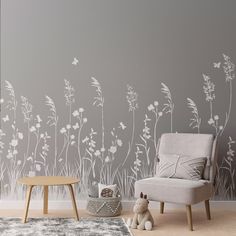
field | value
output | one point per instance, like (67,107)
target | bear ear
(141,195)
(145,196)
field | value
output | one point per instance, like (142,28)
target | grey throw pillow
(182,167)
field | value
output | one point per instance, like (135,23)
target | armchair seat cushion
(174,190)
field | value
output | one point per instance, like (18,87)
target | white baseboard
(127,205)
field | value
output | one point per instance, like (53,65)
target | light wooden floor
(171,223)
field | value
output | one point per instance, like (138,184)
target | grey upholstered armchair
(177,190)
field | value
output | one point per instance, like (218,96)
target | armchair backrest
(194,145)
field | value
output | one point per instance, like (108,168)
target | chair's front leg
(189,217)
(207,206)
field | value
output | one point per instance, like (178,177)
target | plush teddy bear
(142,217)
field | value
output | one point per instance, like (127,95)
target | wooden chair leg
(161,207)
(73,201)
(189,217)
(28,195)
(207,206)
(45,200)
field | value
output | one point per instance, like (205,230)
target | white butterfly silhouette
(122,126)
(6,118)
(75,61)
(216,64)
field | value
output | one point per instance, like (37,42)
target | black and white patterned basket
(106,207)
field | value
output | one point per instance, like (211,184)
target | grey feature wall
(88,87)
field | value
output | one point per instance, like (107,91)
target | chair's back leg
(161,207)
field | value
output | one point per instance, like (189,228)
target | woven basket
(110,206)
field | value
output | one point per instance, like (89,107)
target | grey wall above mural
(88,87)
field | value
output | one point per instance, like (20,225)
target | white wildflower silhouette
(44,151)
(38,167)
(26,109)
(97,153)
(6,118)
(99,102)
(158,113)
(229,68)
(156,103)
(79,115)
(113,149)
(99,99)
(53,121)
(119,142)
(32,129)
(12,103)
(2,134)
(15,152)
(63,130)
(195,121)
(216,117)
(14,142)
(209,90)
(145,138)
(132,98)
(85,140)
(75,61)
(107,159)
(137,163)
(211,121)
(53,117)
(70,100)
(20,135)
(89,152)
(10,154)
(69,93)
(76,126)
(75,113)
(151,107)
(169,106)
(226,173)
(38,118)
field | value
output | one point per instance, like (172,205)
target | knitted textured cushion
(181,166)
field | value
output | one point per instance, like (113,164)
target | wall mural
(90,156)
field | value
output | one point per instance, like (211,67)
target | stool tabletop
(48,180)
